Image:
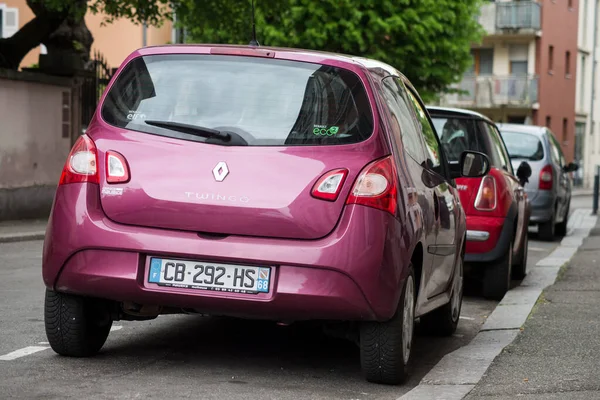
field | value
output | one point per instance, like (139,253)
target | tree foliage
(428,40)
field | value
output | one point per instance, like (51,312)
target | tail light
(82,163)
(328,187)
(376,186)
(117,170)
(546,178)
(486,196)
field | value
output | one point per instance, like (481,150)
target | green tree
(428,40)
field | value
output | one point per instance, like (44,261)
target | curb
(457,373)
(22,237)
(582,193)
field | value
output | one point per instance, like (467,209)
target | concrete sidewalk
(557,354)
(17,231)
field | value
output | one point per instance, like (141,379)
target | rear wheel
(75,326)
(546,230)
(496,279)
(385,347)
(444,320)
(561,228)
(519,270)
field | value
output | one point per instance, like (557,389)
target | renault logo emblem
(220,171)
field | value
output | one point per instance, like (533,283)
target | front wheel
(496,279)
(546,230)
(519,270)
(561,228)
(75,326)
(385,347)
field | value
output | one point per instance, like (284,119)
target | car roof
(520,128)
(290,53)
(458,111)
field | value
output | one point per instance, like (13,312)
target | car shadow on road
(247,351)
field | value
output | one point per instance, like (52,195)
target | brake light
(82,163)
(117,170)
(328,187)
(546,178)
(486,196)
(376,186)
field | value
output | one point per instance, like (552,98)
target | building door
(579,139)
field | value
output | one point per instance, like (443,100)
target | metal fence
(518,15)
(93,86)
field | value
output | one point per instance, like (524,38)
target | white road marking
(116,328)
(467,318)
(537,249)
(43,342)
(25,351)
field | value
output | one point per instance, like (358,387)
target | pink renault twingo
(259,183)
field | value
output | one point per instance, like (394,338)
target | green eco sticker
(322,130)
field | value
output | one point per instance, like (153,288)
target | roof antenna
(253,42)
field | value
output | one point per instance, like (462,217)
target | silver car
(549,187)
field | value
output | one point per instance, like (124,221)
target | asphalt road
(189,356)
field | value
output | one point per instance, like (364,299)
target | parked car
(496,206)
(259,183)
(549,188)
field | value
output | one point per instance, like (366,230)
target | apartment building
(524,71)
(587,128)
(115,41)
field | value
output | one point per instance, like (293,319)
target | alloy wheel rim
(409,319)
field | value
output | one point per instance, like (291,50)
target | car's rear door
(447,243)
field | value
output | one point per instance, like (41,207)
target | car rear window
(457,135)
(523,145)
(267,102)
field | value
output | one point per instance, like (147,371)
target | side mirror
(473,164)
(571,167)
(523,173)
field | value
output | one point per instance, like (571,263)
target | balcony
(511,18)
(483,92)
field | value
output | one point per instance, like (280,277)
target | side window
(397,103)
(498,148)
(432,143)
(557,153)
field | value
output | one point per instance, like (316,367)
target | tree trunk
(31,35)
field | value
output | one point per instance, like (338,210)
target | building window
(9,21)
(568,64)
(570,4)
(548,122)
(564,130)
(551,59)
(483,62)
(585,22)
(518,55)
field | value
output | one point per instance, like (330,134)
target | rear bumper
(542,207)
(87,254)
(500,234)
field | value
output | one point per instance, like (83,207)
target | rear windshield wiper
(229,138)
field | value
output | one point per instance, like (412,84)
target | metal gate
(93,85)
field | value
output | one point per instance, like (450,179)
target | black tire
(546,230)
(561,228)
(444,320)
(519,270)
(496,279)
(382,344)
(75,326)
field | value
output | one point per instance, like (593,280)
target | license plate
(209,276)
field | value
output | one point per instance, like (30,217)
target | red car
(496,205)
